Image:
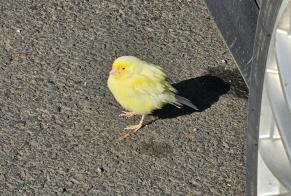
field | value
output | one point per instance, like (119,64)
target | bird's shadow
(201,91)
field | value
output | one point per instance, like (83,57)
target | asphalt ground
(59,123)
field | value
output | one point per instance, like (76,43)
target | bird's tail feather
(184,101)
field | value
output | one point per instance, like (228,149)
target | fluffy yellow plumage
(141,87)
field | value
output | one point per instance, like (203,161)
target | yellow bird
(141,88)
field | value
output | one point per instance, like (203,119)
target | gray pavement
(59,123)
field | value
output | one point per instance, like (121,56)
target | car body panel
(237,21)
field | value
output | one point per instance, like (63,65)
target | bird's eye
(123,68)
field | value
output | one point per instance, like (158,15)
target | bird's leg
(127,114)
(135,128)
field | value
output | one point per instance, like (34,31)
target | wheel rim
(274,161)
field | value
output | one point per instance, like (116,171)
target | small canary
(140,88)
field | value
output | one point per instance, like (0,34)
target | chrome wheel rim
(274,160)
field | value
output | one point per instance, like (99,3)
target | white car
(258,34)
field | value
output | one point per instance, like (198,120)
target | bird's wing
(152,80)
(153,72)
(153,88)
(143,84)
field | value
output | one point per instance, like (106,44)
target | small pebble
(100,169)
(224,61)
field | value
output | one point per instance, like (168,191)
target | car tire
(269,13)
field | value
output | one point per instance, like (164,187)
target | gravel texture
(59,123)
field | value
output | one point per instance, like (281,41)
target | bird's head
(123,66)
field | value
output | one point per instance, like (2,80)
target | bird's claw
(124,136)
(127,114)
(132,128)
(135,128)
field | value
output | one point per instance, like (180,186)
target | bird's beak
(113,72)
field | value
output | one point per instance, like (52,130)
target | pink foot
(135,128)
(124,136)
(127,114)
(131,128)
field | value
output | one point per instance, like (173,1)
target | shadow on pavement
(201,91)
(238,86)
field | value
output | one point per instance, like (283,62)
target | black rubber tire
(265,25)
